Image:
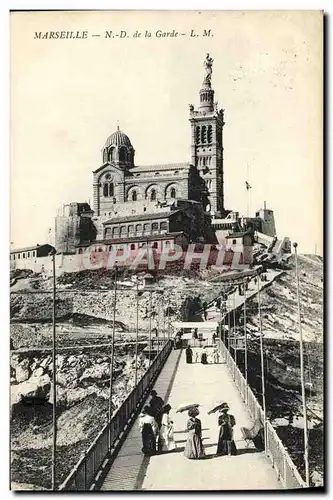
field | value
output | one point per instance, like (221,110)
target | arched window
(153,195)
(122,154)
(132,246)
(163,226)
(134,196)
(146,228)
(155,244)
(80,250)
(173,193)
(197,135)
(107,232)
(203,134)
(219,137)
(210,134)
(111,154)
(130,230)
(108,190)
(138,228)
(115,232)
(123,231)
(154,226)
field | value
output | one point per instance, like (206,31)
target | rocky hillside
(279,303)
(280,326)
(82,407)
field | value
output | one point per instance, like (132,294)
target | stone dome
(118,138)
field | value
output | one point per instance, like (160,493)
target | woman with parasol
(226,444)
(194,448)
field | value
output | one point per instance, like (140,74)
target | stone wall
(63,263)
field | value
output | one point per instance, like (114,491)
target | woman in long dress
(194,448)
(149,431)
(226,444)
(204,357)
(167,442)
(188,353)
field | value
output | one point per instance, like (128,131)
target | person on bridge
(204,356)
(149,431)
(204,306)
(189,354)
(156,404)
(216,355)
(194,449)
(226,444)
(167,442)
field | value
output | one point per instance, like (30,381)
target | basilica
(139,204)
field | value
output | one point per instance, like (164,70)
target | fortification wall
(63,264)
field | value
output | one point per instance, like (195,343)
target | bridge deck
(235,300)
(206,384)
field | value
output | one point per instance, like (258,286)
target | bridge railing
(284,466)
(82,477)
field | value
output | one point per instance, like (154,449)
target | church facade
(136,201)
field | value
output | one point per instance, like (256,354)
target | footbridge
(114,461)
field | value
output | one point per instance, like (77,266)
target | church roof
(118,138)
(157,168)
(140,217)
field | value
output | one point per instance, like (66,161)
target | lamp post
(306,446)
(225,318)
(150,312)
(112,351)
(137,333)
(158,327)
(262,365)
(163,316)
(54,379)
(245,340)
(228,313)
(220,326)
(168,311)
(234,319)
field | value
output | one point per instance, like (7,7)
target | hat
(193,412)
(224,407)
(166,408)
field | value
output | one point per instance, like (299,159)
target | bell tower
(207,141)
